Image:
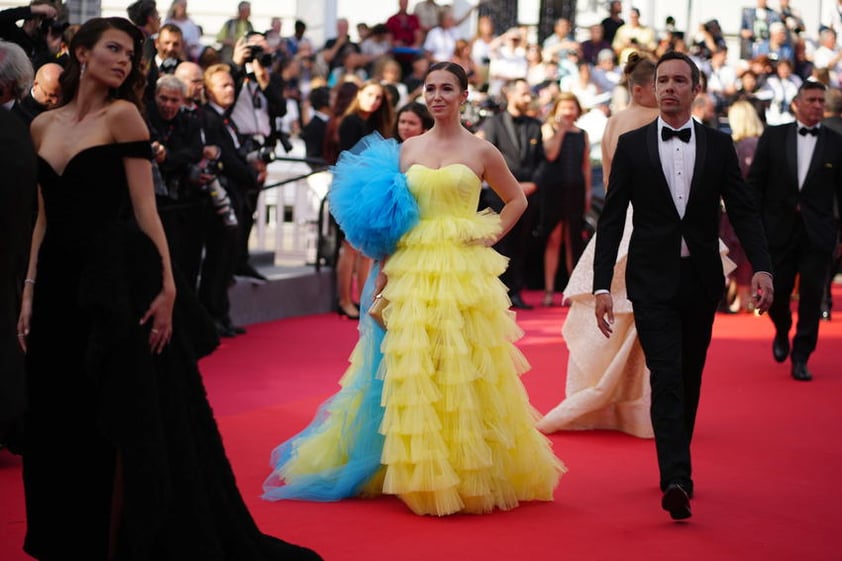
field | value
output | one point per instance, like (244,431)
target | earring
(82,69)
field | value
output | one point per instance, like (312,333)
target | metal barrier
(288,207)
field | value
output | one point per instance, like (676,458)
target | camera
(256,52)
(220,201)
(265,154)
(53,27)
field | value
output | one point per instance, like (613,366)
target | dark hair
(420,110)
(381,119)
(639,69)
(319,98)
(454,69)
(140,11)
(810,85)
(172,28)
(89,35)
(675,55)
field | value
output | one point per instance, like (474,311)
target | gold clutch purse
(376,310)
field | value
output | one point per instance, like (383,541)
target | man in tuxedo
(18,203)
(240,177)
(675,171)
(518,137)
(797,175)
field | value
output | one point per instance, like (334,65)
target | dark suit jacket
(522,152)
(235,168)
(17,215)
(774,177)
(313,135)
(654,260)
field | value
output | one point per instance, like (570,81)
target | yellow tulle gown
(457,430)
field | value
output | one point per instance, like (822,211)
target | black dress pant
(811,265)
(515,244)
(217,271)
(675,337)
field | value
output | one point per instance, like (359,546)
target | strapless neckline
(85,151)
(460,164)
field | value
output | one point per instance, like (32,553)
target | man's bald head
(193,77)
(45,87)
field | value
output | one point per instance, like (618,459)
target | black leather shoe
(676,501)
(780,347)
(235,329)
(800,372)
(222,330)
(251,274)
(517,302)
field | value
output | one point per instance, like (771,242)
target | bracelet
(28,281)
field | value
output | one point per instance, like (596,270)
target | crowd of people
(504,123)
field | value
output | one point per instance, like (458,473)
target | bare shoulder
(40,125)
(409,148)
(125,122)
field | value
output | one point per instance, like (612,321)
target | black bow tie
(683,134)
(804,131)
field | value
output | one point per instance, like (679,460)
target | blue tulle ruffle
(369,197)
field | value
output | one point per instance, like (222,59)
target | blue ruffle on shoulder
(369,197)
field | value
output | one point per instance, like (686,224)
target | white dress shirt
(678,160)
(805,145)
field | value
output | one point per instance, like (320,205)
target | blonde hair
(744,121)
(561,98)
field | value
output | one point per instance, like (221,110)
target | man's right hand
(604,311)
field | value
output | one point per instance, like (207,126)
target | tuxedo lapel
(509,127)
(658,178)
(791,154)
(701,157)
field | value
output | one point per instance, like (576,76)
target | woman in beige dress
(607,379)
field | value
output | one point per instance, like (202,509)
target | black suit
(519,140)
(223,243)
(675,297)
(17,215)
(800,224)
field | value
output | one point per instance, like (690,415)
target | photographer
(242,178)
(177,147)
(257,109)
(39,35)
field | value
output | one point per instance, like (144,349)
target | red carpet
(766,458)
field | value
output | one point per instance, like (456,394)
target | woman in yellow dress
(432,408)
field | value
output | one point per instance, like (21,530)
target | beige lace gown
(607,380)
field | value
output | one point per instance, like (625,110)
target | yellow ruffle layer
(458,425)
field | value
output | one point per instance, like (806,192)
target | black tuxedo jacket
(234,166)
(521,146)
(774,177)
(654,258)
(18,205)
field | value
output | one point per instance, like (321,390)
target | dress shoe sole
(677,503)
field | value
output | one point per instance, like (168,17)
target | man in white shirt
(675,172)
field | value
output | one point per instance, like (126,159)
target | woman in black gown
(564,187)
(123,459)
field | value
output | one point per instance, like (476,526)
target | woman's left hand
(160,311)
